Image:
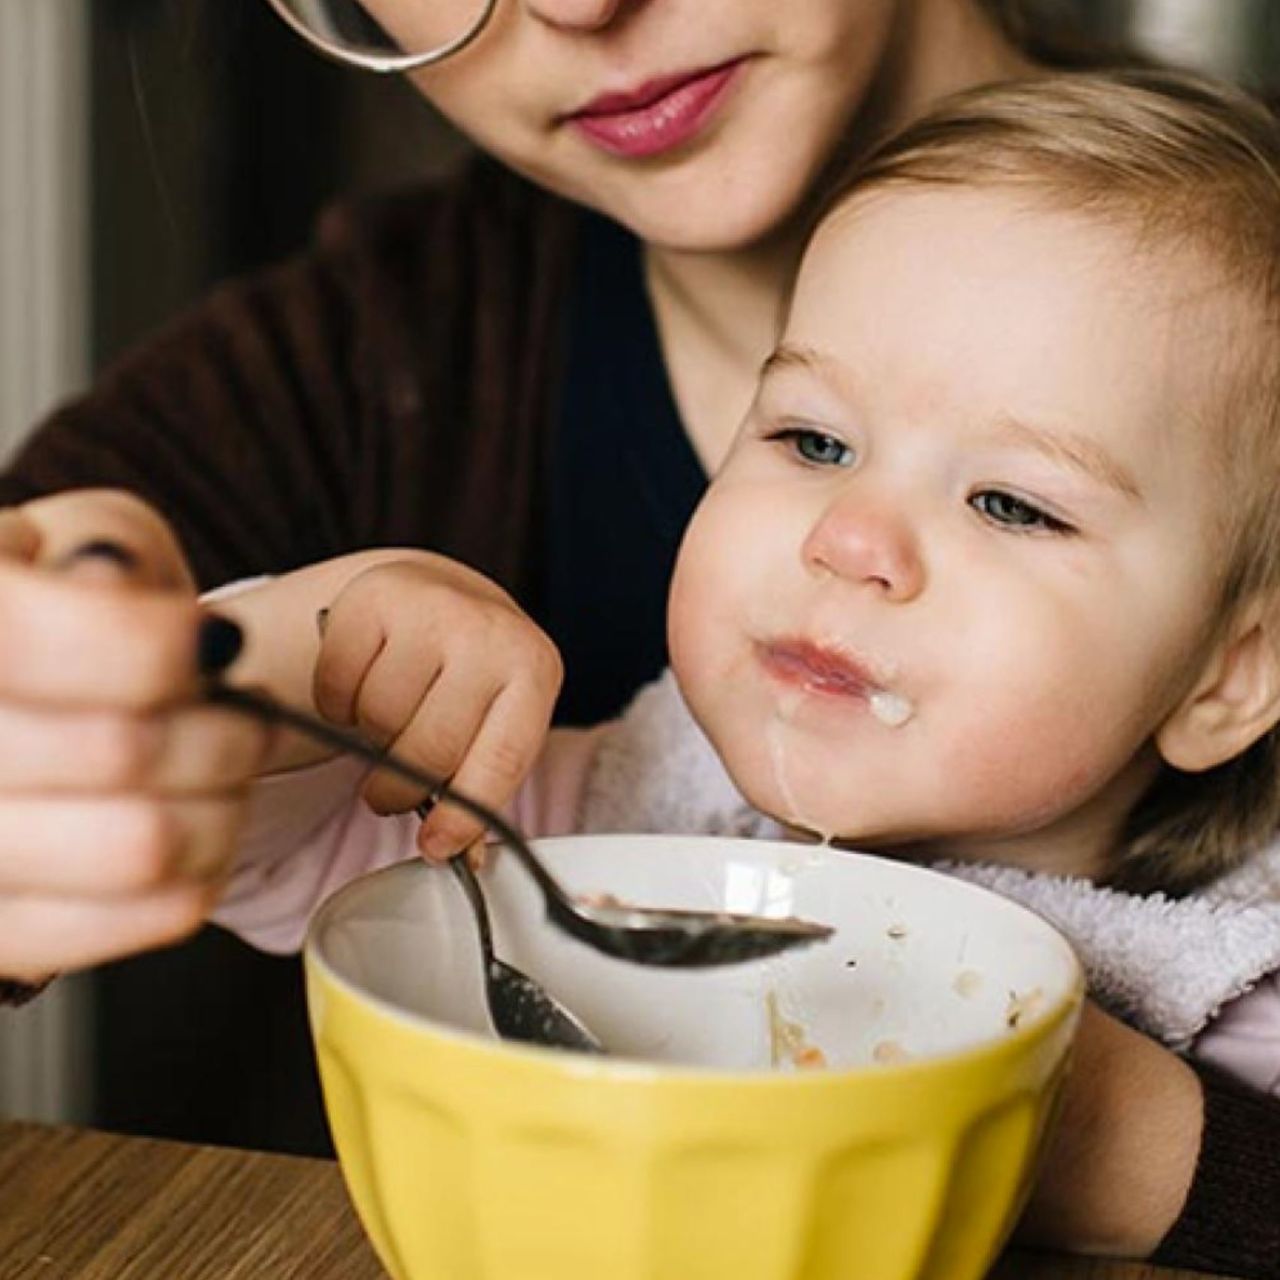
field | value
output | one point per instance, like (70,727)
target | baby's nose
(867,542)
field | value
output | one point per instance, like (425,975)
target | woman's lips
(656,116)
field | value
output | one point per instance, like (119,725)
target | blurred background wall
(147,149)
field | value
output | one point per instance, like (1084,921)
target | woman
(444,369)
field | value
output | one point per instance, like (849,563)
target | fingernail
(218,644)
(99,549)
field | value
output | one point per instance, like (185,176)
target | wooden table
(85,1205)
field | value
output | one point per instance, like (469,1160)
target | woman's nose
(867,543)
(578,15)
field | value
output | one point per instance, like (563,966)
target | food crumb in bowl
(889,1051)
(967,983)
(788,1043)
(897,932)
(1022,1007)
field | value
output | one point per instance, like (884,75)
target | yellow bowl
(698,1150)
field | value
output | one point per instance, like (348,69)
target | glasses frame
(385,63)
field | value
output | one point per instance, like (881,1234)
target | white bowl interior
(921,964)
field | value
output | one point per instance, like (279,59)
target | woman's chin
(701,207)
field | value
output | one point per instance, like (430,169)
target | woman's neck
(719,313)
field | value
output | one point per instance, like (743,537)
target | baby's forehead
(1173,275)
(1170,310)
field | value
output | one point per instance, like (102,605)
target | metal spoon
(521,1008)
(646,935)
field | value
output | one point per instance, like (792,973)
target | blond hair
(1175,159)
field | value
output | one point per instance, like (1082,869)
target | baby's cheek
(1025,761)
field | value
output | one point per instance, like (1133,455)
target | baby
(990,576)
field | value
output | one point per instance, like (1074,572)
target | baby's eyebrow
(808,359)
(1081,452)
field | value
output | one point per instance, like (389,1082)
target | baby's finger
(40,935)
(440,735)
(502,754)
(114,847)
(351,650)
(192,750)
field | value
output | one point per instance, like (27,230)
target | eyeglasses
(361,33)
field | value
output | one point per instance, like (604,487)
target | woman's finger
(40,934)
(192,750)
(114,847)
(74,521)
(19,536)
(65,645)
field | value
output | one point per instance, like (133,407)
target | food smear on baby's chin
(789,1045)
(891,709)
(794,815)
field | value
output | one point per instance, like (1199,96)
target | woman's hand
(437,663)
(120,795)
(1121,1159)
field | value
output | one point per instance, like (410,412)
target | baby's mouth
(816,669)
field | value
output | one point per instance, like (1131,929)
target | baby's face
(961,561)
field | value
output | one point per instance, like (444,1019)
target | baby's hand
(437,663)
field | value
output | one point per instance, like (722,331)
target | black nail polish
(100,549)
(218,644)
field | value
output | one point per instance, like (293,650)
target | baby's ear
(1235,701)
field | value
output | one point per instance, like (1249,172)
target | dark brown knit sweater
(396,386)
(391,387)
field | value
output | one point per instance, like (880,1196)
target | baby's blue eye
(1011,512)
(816,447)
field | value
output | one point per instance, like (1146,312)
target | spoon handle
(264,707)
(461,868)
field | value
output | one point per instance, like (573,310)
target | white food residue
(890,708)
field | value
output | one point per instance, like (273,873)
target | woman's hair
(1190,168)
(1054,34)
